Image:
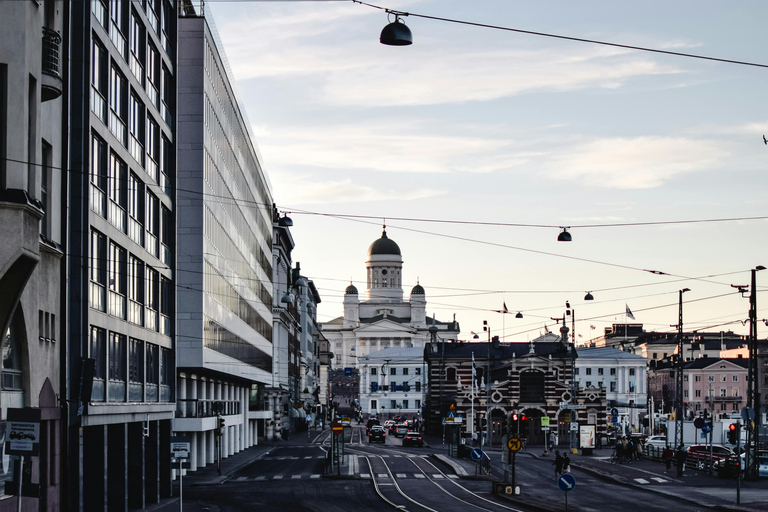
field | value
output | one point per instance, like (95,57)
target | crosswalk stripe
(295,477)
(453,477)
(277,477)
(383,475)
(660,480)
(419,475)
(365,475)
(314,476)
(438,476)
(642,481)
(307,457)
(240,479)
(401,475)
(260,478)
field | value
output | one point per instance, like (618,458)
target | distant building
(225,351)
(393,382)
(623,378)
(383,319)
(533,378)
(715,385)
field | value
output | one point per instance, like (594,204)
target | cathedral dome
(417,290)
(351,290)
(384,245)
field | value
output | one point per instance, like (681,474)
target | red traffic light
(514,417)
(732,427)
(523,418)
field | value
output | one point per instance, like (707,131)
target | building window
(613,371)
(588,384)
(723,392)
(631,371)
(138,47)
(685,393)
(418,404)
(405,404)
(12,370)
(698,393)
(373,370)
(711,378)
(118,105)
(136,124)
(117,192)
(166,235)
(136,209)
(99,81)
(723,406)
(532,387)
(116,367)
(152,223)
(417,385)
(405,371)
(599,371)
(576,371)
(98,352)
(723,378)
(393,404)
(153,298)
(116,274)
(392,385)
(613,387)
(417,370)
(655,355)
(135,290)
(393,371)
(153,148)
(589,371)
(152,380)
(735,378)
(167,371)
(135,370)
(735,392)
(697,378)
(117,24)
(98,271)
(153,74)
(165,305)
(685,378)
(99,175)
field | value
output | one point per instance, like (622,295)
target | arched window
(532,386)
(12,372)
(451,376)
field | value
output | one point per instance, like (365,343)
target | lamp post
(679,376)
(489,426)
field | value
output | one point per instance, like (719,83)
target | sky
(511,136)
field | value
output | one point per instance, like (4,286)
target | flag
(474,371)
(505,307)
(592,327)
(629,312)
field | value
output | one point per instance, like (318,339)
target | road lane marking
(419,475)
(314,476)
(277,477)
(642,481)
(401,475)
(437,476)
(660,480)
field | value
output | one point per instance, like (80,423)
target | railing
(724,398)
(198,408)
(191,8)
(51,45)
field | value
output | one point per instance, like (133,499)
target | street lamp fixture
(589,296)
(519,315)
(564,236)
(396,33)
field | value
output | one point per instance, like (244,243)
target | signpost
(180,452)
(23,438)
(566,483)
(337,445)
(514,444)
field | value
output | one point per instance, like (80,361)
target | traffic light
(733,433)
(514,425)
(220,426)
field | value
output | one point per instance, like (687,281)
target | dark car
(413,439)
(699,458)
(371,423)
(377,434)
(400,430)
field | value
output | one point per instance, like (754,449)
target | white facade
(393,382)
(624,377)
(384,319)
(225,321)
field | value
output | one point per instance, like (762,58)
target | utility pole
(753,385)
(679,376)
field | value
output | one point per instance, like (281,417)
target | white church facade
(383,319)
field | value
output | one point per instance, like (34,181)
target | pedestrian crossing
(365,476)
(656,479)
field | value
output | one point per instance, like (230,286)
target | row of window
(735,407)
(219,339)
(600,371)
(228,107)
(129,369)
(735,392)
(394,386)
(128,204)
(712,378)
(124,286)
(611,386)
(393,370)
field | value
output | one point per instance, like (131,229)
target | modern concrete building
(121,253)
(383,319)
(623,378)
(225,293)
(32,155)
(393,382)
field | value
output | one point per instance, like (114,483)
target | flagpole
(472,432)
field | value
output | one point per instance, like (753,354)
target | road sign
(574,427)
(614,412)
(545,421)
(308,418)
(22,434)
(747,414)
(545,429)
(514,444)
(706,429)
(337,429)
(699,423)
(477,454)
(180,447)
(566,482)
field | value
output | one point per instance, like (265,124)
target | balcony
(725,398)
(50,86)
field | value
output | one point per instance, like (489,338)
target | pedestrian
(629,450)
(667,455)
(558,462)
(639,449)
(552,440)
(680,457)
(566,463)
(619,452)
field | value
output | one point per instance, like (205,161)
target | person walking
(667,455)
(680,457)
(566,463)
(558,462)
(552,440)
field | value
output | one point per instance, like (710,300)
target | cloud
(305,190)
(635,163)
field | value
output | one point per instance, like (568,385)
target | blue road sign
(477,454)
(566,482)
(347,372)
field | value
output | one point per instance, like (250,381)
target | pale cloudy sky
(479,125)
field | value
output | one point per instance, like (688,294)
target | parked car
(727,468)
(699,458)
(401,430)
(413,439)
(377,434)
(371,422)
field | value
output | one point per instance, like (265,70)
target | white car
(656,441)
